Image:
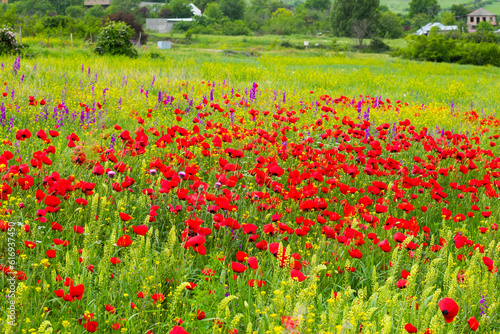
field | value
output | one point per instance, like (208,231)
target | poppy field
(142,201)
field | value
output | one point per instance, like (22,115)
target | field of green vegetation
(284,191)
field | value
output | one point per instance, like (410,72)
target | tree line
(358,19)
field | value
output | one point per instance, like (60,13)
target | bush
(235,28)
(439,49)
(132,22)
(114,39)
(377,45)
(8,42)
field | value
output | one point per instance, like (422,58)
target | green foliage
(236,28)
(53,22)
(126,6)
(459,10)
(390,26)
(181,9)
(96,11)
(114,39)
(485,26)
(318,4)
(441,48)
(377,45)
(213,11)
(75,12)
(345,13)
(429,7)
(132,22)
(234,9)
(165,12)
(448,19)
(8,41)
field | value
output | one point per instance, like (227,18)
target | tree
(360,28)
(448,19)
(459,10)
(485,26)
(234,9)
(96,11)
(114,39)
(165,12)
(126,6)
(131,22)
(75,12)
(429,7)
(345,13)
(318,4)
(390,26)
(181,8)
(213,11)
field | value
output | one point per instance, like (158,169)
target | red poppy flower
(52,201)
(241,256)
(238,267)
(110,308)
(473,323)
(124,241)
(410,328)
(141,229)
(91,326)
(77,291)
(178,330)
(297,275)
(78,229)
(115,260)
(125,217)
(51,253)
(30,244)
(401,283)
(449,308)
(157,297)
(384,246)
(252,263)
(200,315)
(355,253)
(81,201)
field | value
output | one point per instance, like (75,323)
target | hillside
(401,6)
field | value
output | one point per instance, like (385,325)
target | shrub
(8,42)
(114,39)
(236,28)
(132,22)
(377,45)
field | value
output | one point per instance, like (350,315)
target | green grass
(494,8)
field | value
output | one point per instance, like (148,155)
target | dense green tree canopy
(181,9)
(318,4)
(390,26)
(234,9)
(429,7)
(345,13)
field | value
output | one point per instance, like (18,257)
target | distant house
(91,3)
(4,1)
(441,28)
(479,15)
(166,25)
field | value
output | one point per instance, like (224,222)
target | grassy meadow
(189,191)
